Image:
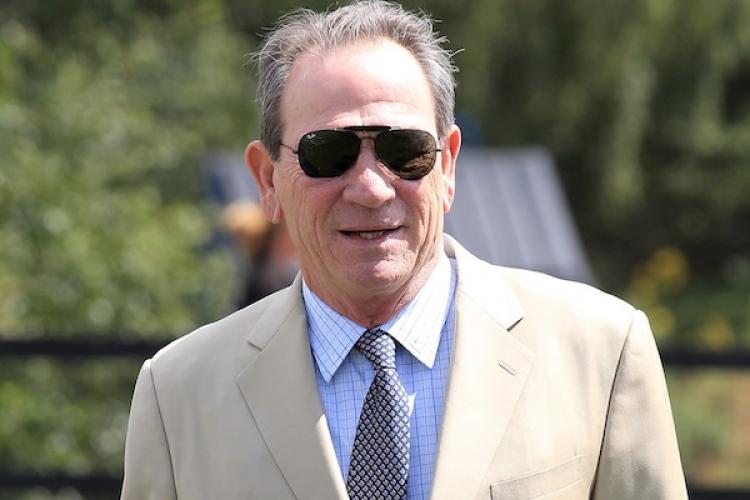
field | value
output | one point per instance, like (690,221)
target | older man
(397,365)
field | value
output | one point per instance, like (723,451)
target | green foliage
(644,105)
(711,409)
(64,415)
(105,115)
(711,313)
(100,143)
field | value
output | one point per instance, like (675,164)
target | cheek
(291,204)
(308,207)
(291,192)
(427,202)
(435,196)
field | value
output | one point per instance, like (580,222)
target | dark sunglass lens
(410,154)
(328,153)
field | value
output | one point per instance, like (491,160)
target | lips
(369,234)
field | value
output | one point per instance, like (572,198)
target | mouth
(372,234)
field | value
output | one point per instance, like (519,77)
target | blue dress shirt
(424,331)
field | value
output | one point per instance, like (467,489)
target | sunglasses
(408,153)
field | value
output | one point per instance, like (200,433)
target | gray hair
(364,20)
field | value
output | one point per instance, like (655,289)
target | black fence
(101,486)
(86,347)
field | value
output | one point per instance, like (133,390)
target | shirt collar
(417,326)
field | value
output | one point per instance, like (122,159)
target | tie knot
(379,348)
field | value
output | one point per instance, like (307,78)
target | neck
(374,309)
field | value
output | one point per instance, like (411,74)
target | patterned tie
(379,467)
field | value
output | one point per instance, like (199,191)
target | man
(397,364)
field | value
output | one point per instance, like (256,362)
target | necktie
(379,466)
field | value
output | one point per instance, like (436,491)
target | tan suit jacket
(556,391)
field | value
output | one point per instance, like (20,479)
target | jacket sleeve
(639,457)
(148,464)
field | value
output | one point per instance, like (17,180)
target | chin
(383,274)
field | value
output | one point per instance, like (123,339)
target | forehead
(369,83)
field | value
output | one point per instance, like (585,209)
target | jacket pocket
(561,482)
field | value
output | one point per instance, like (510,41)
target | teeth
(370,235)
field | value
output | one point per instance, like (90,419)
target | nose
(368,183)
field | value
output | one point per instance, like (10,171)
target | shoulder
(570,322)
(551,316)
(224,345)
(558,296)
(578,334)
(514,293)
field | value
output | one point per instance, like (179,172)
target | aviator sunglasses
(408,153)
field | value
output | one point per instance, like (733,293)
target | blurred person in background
(397,365)
(271,262)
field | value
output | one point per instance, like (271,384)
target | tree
(104,117)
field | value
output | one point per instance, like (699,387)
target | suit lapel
(488,372)
(280,391)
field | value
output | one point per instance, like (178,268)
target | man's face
(366,233)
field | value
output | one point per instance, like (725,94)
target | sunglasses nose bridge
(368,162)
(367,142)
(367,146)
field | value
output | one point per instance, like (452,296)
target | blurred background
(111,242)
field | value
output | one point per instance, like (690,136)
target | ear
(451,147)
(258,160)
